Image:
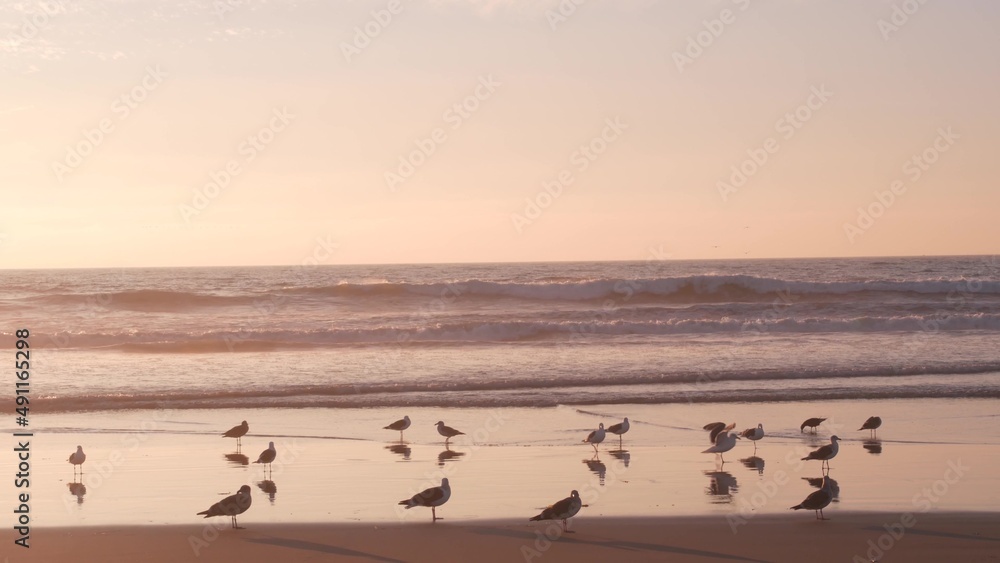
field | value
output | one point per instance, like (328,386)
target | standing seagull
(595,437)
(77,458)
(432,497)
(267,456)
(872,424)
(562,510)
(811,423)
(231,506)
(826,453)
(754,434)
(447,431)
(237,432)
(619,429)
(400,425)
(723,443)
(818,500)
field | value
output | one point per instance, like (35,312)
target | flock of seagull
(720,435)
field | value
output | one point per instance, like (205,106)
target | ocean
(508,335)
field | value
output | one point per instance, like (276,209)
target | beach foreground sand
(969,537)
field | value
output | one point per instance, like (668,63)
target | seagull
(826,453)
(401,424)
(596,437)
(267,456)
(812,423)
(873,423)
(237,432)
(562,510)
(77,458)
(447,431)
(754,434)
(432,497)
(714,428)
(723,443)
(231,506)
(818,500)
(619,429)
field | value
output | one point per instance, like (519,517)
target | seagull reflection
(623,455)
(754,462)
(722,486)
(270,488)
(238,459)
(77,490)
(401,449)
(817,482)
(873,446)
(448,455)
(598,468)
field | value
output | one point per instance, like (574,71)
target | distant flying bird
(754,434)
(77,458)
(562,510)
(811,423)
(231,506)
(447,431)
(237,432)
(432,497)
(619,429)
(818,500)
(267,456)
(595,437)
(714,428)
(400,425)
(873,423)
(724,442)
(826,453)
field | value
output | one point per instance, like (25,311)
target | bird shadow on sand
(320,548)
(615,544)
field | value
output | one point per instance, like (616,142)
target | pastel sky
(239,132)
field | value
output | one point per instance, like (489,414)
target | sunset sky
(247,132)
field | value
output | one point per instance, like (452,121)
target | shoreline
(846,536)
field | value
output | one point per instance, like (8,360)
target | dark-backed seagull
(723,443)
(401,424)
(619,429)
(715,428)
(267,456)
(432,497)
(826,453)
(231,506)
(818,500)
(754,434)
(562,510)
(811,423)
(595,437)
(77,458)
(872,424)
(447,431)
(237,432)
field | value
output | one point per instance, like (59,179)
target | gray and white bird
(237,432)
(401,424)
(77,458)
(231,506)
(432,497)
(619,429)
(754,434)
(724,442)
(562,510)
(873,423)
(818,500)
(811,423)
(447,431)
(715,428)
(267,456)
(826,453)
(595,437)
